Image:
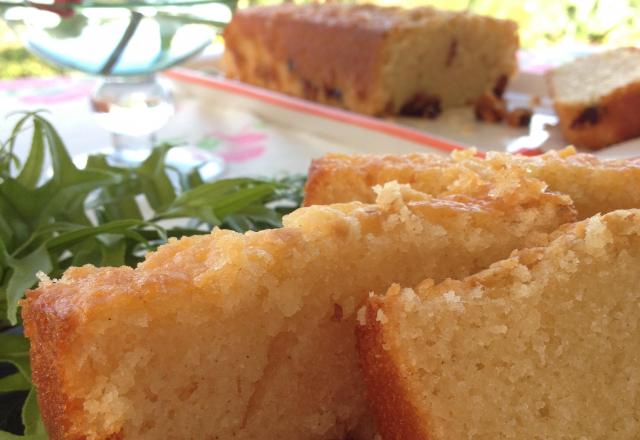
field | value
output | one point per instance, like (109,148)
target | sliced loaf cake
(252,336)
(543,345)
(595,185)
(597,97)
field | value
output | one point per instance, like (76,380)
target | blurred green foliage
(542,23)
(548,22)
(16,61)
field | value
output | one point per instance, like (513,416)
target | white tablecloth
(250,146)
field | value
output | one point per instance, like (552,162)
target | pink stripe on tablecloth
(80,91)
(243,154)
(21,83)
(45,91)
(242,138)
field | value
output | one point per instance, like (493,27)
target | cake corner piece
(597,97)
(534,330)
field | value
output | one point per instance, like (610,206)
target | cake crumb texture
(252,336)
(542,345)
(595,185)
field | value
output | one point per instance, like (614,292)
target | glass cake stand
(124,43)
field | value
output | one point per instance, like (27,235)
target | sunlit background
(542,23)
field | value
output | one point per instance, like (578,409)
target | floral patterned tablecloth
(249,145)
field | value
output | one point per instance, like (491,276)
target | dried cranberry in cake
(422,105)
(453,51)
(490,108)
(333,93)
(500,86)
(519,117)
(589,116)
(310,90)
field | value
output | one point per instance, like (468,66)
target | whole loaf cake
(370,59)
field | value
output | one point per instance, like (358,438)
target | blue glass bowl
(117,38)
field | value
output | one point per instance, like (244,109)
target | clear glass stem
(132,109)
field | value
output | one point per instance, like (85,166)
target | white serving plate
(454,128)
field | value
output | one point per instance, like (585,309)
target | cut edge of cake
(388,366)
(80,395)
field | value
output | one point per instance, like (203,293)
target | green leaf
(14,348)
(208,192)
(4,256)
(212,202)
(71,238)
(57,199)
(239,223)
(242,199)
(64,170)
(23,277)
(85,252)
(6,234)
(65,193)
(115,202)
(11,142)
(205,214)
(8,436)
(31,415)
(42,234)
(113,254)
(14,382)
(32,170)
(155,183)
(260,214)
(22,205)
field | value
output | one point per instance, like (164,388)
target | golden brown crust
(309,52)
(595,185)
(51,314)
(396,417)
(49,334)
(359,173)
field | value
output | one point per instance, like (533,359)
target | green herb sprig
(103,215)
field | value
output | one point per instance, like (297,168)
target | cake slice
(252,336)
(543,345)
(597,97)
(595,185)
(371,59)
